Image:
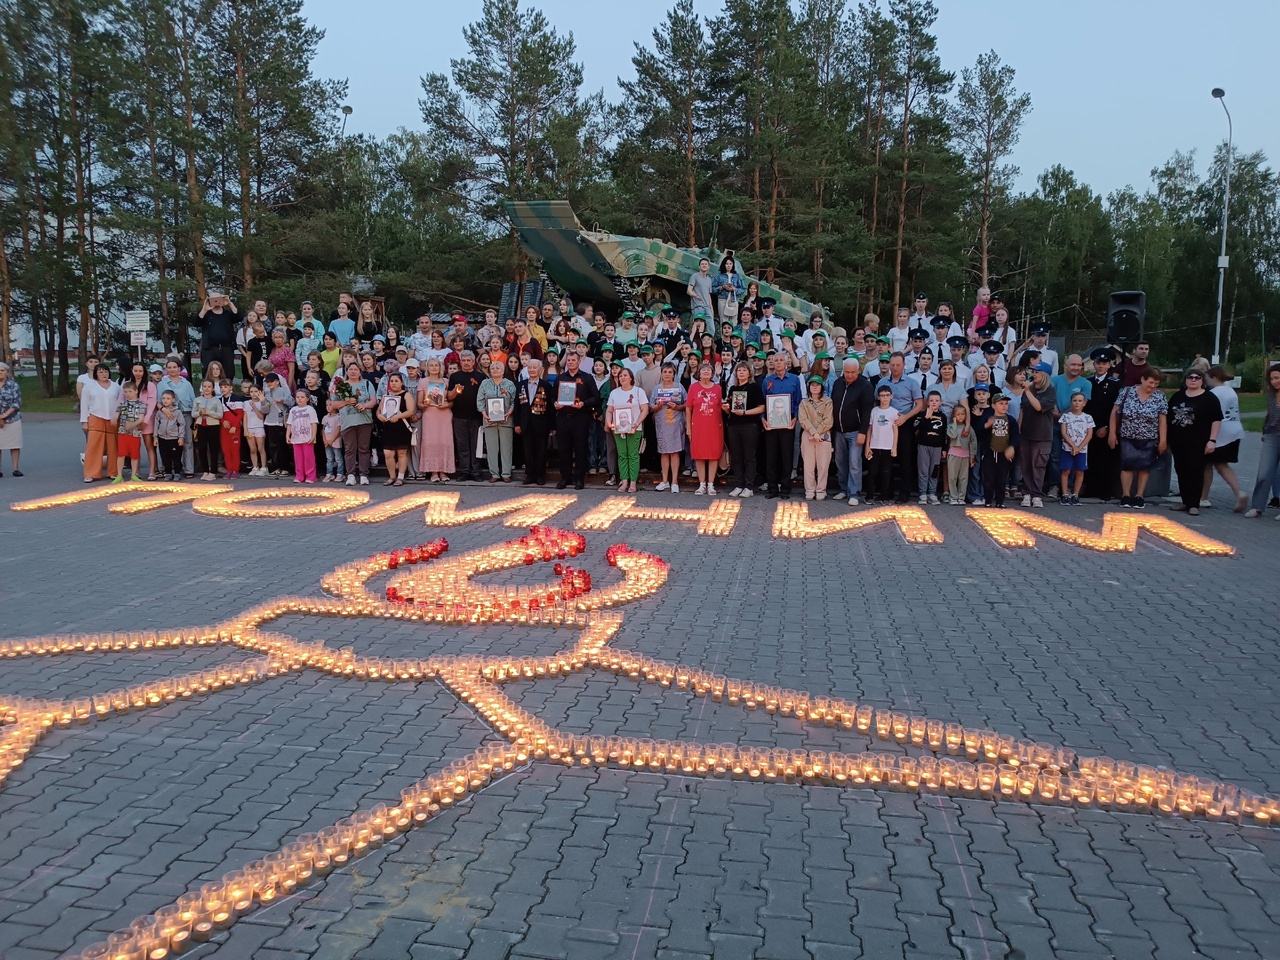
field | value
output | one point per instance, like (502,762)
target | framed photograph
(566,393)
(390,405)
(494,410)
(778,411)
(435,395)
(738,401)
(624,420)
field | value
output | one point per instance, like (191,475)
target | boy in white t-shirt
(882,447)
(1077,430)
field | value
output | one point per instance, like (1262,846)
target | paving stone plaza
(1161,658)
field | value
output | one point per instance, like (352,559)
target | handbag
(729,310)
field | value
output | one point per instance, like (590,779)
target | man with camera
(218,321)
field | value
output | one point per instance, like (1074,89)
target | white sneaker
(662,486)
(735,491)
(1026,501)
(977,502)
(934,500)
(702,488)
(351,480)
(1037,503)
(364,481)
(675,488)
(711,489)
(923,499)
(853,501)
(838,495)
(809,495)
(746,492)
(1206,504)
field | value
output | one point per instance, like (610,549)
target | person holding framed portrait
(576,400)
(396,412)
(782,396)
(628,406)
(496,403)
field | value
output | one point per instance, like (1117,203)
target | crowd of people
(734,399)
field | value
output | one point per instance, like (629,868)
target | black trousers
(1188,464)
(1102,479)
(170,456)
(225,355)
(535,452)
(742,440)
(877,475)
(906,470)
(758,480)
(279,456)
(995,476)
(466,439)
(649,459)
(208,444)
(572,432)
(778,447)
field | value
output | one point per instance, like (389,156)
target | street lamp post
(1220,95)
(346,112)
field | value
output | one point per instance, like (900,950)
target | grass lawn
(34,402)
(1252,403)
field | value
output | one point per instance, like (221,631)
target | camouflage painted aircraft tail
(631,273)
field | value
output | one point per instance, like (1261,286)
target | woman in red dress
(706,428)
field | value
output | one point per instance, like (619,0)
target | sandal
(388,483)
(399,482)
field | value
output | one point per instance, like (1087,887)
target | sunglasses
(1194,376)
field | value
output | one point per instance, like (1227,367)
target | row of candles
(1119,532)
(153,496)
(258,503)
(717,520)
(1014,529)
(791,521)
(107,642)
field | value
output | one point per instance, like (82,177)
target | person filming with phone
(218,321)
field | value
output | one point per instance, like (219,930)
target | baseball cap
(154,367)
(1042,368)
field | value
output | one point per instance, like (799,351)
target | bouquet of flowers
(342,390)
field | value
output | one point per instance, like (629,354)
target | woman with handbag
(729,290)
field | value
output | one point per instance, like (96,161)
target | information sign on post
(138,323)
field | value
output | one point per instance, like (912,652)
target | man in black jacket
(218,321)
(535,418)
(851,402)
(1100,479)
(573,422)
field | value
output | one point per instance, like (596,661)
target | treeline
(152,149)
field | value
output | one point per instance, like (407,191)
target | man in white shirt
(921,316)
(958,351)
(419,342)
(769,320)
(917,340)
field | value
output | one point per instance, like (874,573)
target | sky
(1116,85)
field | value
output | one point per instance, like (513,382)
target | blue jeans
(848,462)
(597,455)
(975,491)
(333,461)
(1268,468)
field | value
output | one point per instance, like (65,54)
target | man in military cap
(1040,343)
(920,315)
(1100,478)
(671,334)
(958,351)
(941,331)
(916,341)
(768,320)
(993,360)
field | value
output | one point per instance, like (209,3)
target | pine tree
(986,118)
(511,118)
(667,121)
